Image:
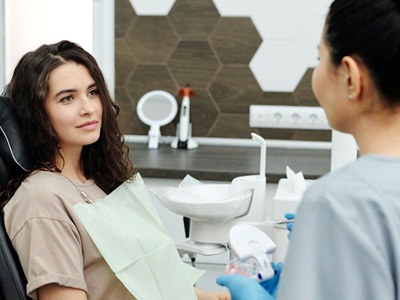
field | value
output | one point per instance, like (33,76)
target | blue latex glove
(289,226)
(271,285)
(246,288)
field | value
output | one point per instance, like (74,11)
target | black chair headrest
(14,152)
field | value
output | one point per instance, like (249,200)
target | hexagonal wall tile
(203,112)
(278,19)
(193,63)
(307,39)
(232,126)
(126,16)
(124,62)
(152,7)
(234,89)
(236,40)
(277,98)
(278,66)
(147,78)
(194,20)
(152,39)
(236,8)
(303,93)
(129,121)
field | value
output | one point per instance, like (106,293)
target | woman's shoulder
(40,175)
(40,183)
(42,195)
(45,189)
(40,192)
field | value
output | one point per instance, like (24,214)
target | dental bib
(127,230)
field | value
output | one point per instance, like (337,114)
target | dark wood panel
(226,163)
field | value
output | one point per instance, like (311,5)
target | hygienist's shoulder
(343,183)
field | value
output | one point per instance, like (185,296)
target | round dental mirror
(156,108)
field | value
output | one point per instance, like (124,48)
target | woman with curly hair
(70,124)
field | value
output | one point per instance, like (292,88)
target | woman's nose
(86,106)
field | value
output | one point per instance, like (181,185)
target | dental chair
(14,159)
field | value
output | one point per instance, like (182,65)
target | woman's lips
(88,125)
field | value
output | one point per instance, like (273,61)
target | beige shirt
(51,242)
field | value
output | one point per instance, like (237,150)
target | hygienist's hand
(243,288)
(289,226)
(271,285)
(203,295)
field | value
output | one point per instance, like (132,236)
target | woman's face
(74,106)
(330,89)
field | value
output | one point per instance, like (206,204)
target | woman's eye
(94,92)
(66,99)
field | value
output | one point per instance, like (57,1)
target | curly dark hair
(107,160)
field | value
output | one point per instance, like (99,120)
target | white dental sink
(210,203)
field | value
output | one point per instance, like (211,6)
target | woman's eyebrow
(65,92)
(92,85)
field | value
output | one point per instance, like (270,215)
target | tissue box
(285,200)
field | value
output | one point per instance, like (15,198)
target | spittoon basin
(209,203)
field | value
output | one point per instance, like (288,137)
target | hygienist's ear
(351,69)
(357,78)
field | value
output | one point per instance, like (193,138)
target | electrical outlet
(294,117)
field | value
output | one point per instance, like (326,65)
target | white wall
(30,23)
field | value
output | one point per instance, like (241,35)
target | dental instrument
(277,222)
(184,138)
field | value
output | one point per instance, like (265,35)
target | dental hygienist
(346,240)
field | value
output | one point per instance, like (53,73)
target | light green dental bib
(127,230)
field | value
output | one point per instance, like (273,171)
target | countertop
(223,163)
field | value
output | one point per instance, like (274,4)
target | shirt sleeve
(50,252)
(333,253)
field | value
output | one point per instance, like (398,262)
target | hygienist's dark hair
(368,30)
(107,160)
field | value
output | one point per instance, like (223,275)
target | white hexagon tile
(307,38)
(290,30)
(235,8)
(278,19)
(152,7)
(278,66)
